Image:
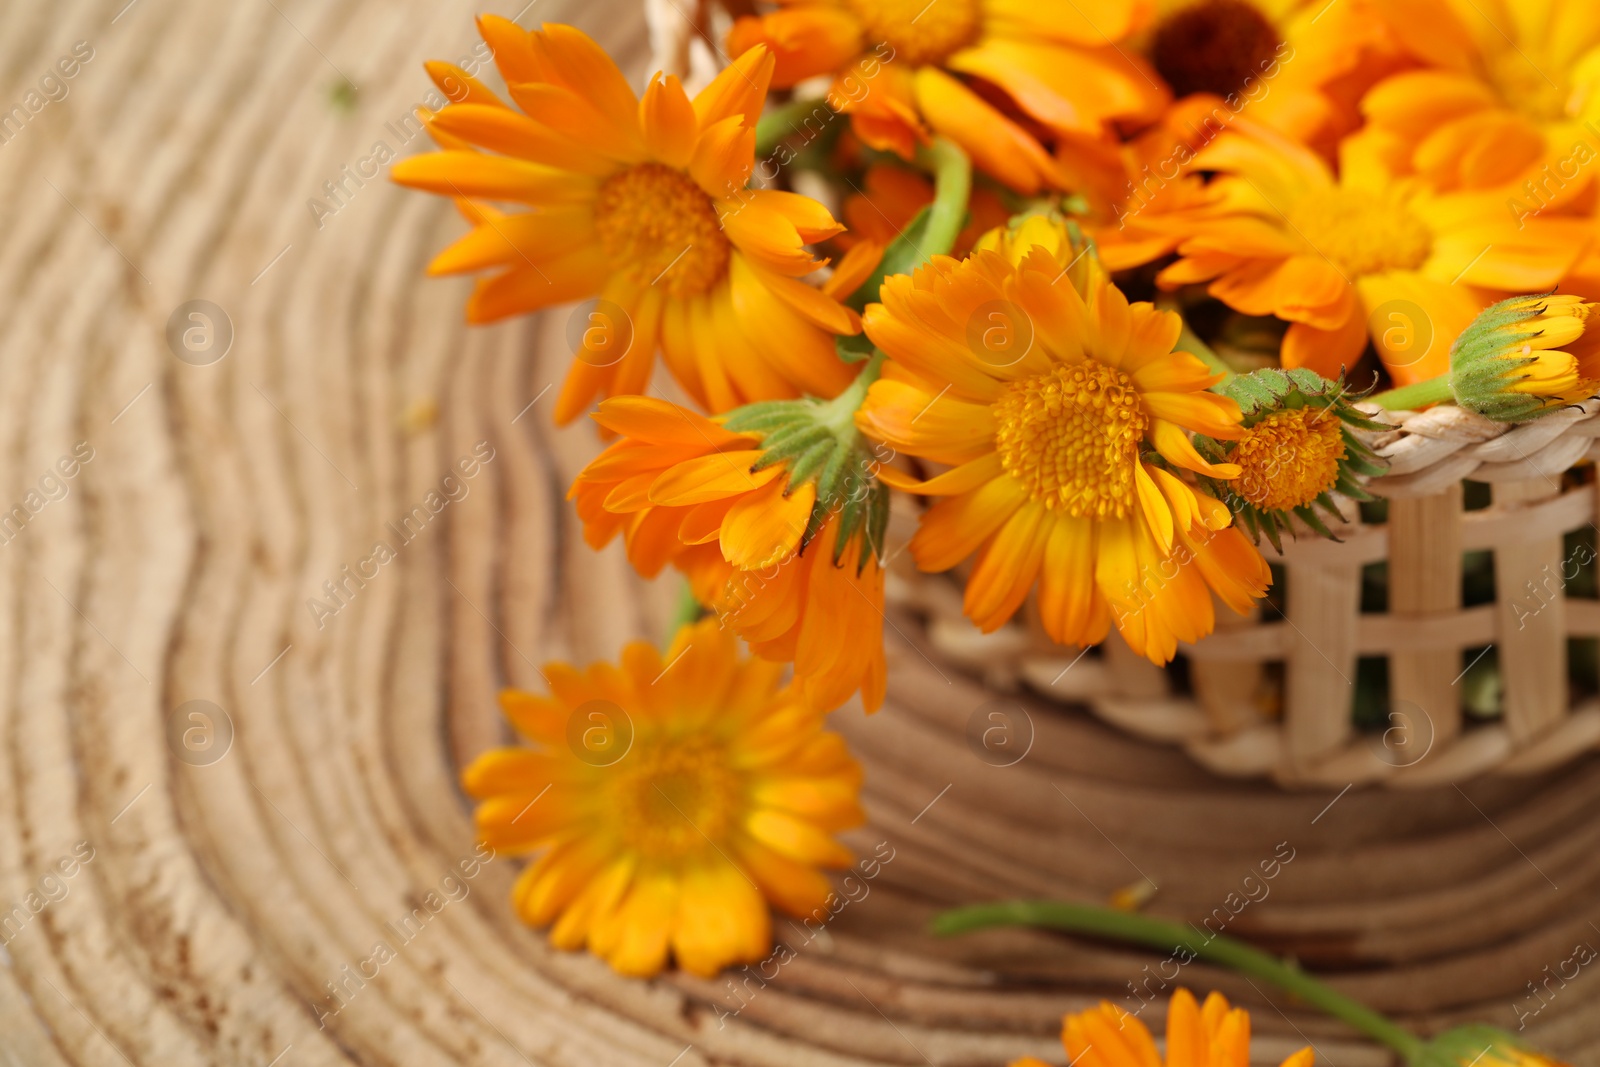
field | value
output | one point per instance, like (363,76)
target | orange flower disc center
(1213,46)
(920,32)
(1289,458)
(670,797)
(1361,233)
(659,228)
(1071,437)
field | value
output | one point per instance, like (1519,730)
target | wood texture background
(221,899)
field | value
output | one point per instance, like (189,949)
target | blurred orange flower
(906,69)
(1508,94)
(1344,257)
(693,791)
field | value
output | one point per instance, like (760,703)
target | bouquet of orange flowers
(1121,289)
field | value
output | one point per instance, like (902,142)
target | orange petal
(668,120)
(741,89)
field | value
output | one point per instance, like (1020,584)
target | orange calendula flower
(902,68)
(786,552)
(1210,1035)
(670,798)
(1064,413)
(1508,94)
(1364,254)
(641,203)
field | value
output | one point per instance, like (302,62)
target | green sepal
(853,348)
(790,442)
(812,458)
(877,525)
(1311,519)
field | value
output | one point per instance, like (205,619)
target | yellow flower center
(1361,233)
(660,228)
(1289,458)
(674,798)
(1071,437)
(920,32)
(1525,87)
(1213,46)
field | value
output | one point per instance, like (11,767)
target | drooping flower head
(1210,1035)
(778,526)
(1295,448)
(669,798)
(1524,357)
(641,204)
(1064,413)
(906,69)
(1347,258)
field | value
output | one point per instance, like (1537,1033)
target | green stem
(1411,397)
(784,121)
(1189,341)
(688,611)
(952,186)
(839,414)
(1169,936)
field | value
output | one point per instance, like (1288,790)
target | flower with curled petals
(785,550)
(1064,447)
(642,204)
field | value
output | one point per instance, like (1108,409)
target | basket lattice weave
(1321,631)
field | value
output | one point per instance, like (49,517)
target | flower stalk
(1416,395)
(952,188)
(1160,934)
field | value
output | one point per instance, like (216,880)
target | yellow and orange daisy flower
(906,69)
(670,798)
(642,204)
(1364,254)
(1048,435)
(1214,1034)
(1508,93)
(793,579)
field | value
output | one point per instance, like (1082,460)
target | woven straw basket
(1320,632)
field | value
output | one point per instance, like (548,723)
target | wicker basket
(1221,717)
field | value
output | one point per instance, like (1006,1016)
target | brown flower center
(660,228)
(920,32)
(1213,46)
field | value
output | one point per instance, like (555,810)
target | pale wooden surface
(221,899)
